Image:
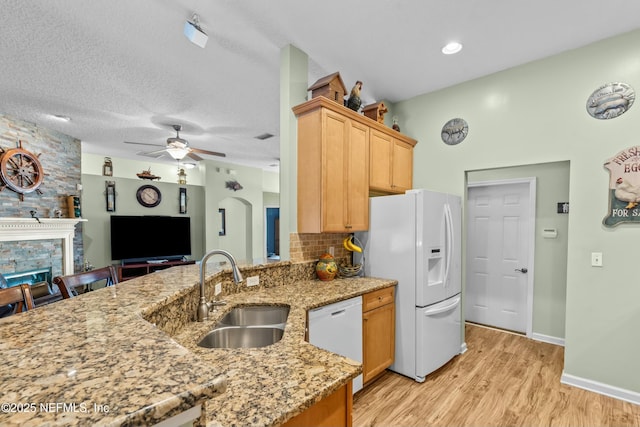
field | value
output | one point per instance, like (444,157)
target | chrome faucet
(204,306)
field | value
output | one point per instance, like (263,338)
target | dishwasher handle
(339,312)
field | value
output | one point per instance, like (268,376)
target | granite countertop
(98,356)
(269,385)
(93,360)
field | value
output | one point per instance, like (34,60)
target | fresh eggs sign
(624,187)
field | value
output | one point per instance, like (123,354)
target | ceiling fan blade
(143,143)
(194,156)
(161,152)
(210,153)
(153,154)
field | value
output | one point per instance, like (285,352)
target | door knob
(522,270)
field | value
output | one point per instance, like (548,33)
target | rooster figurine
(626,192)
(354,102)
(234,185)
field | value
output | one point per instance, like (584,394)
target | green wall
(293,91)
(550,270)
(206,190)
(534,114)
(97,246)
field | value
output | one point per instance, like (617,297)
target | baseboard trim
(601,388)
(547,338)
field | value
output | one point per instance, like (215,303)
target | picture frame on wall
(110,195)
(182,197)
(223,221)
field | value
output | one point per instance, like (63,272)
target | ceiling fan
(177,148)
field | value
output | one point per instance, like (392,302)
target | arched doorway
(236,233)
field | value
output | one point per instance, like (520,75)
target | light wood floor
(503,379)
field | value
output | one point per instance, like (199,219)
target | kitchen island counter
(97,354)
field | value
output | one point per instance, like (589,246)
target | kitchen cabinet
(391,163)
(333,168)
(343,157)
(334,410)
(378,332)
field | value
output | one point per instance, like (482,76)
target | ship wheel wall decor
(21,171)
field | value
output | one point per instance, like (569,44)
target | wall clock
(149,196)
(454,131)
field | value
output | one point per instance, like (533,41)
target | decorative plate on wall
(610,101)
(454,131)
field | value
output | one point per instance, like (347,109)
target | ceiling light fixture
(61,117)
(451,48)
(194,33)
(177,153)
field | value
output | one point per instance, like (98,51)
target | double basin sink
(248,327)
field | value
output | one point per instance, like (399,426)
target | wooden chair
(19,295)
(68,284)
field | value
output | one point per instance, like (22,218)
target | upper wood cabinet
(343,157)
(391,163)
(333,168)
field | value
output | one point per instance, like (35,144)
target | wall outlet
(253,281)
(218,289)
(596,259)
(332,251)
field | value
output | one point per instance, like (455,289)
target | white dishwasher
(338,328)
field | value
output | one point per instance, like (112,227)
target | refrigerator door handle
(439,310)
(449,240)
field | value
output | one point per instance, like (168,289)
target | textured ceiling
(123,70)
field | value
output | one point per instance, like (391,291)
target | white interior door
(499,284)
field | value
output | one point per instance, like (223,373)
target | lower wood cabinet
(378,332)
(332,411)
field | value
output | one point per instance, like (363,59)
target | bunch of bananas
(349,245)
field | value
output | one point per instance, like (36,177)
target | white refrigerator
(415,239)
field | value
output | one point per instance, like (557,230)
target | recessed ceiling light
(61,117)
(451,48)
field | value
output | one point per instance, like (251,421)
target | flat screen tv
(141,238)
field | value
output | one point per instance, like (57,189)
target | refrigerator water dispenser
(435,269)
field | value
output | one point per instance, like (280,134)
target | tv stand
(132,270)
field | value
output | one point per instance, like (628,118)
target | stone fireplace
(54,249)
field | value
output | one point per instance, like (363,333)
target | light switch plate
(253,281)
(596,259)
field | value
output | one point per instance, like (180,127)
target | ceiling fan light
(177,152)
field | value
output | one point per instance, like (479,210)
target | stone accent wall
(309,247)
(31,255)
(60,157)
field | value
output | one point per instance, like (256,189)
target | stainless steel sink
(241,337)
(256,315)
(248,327)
